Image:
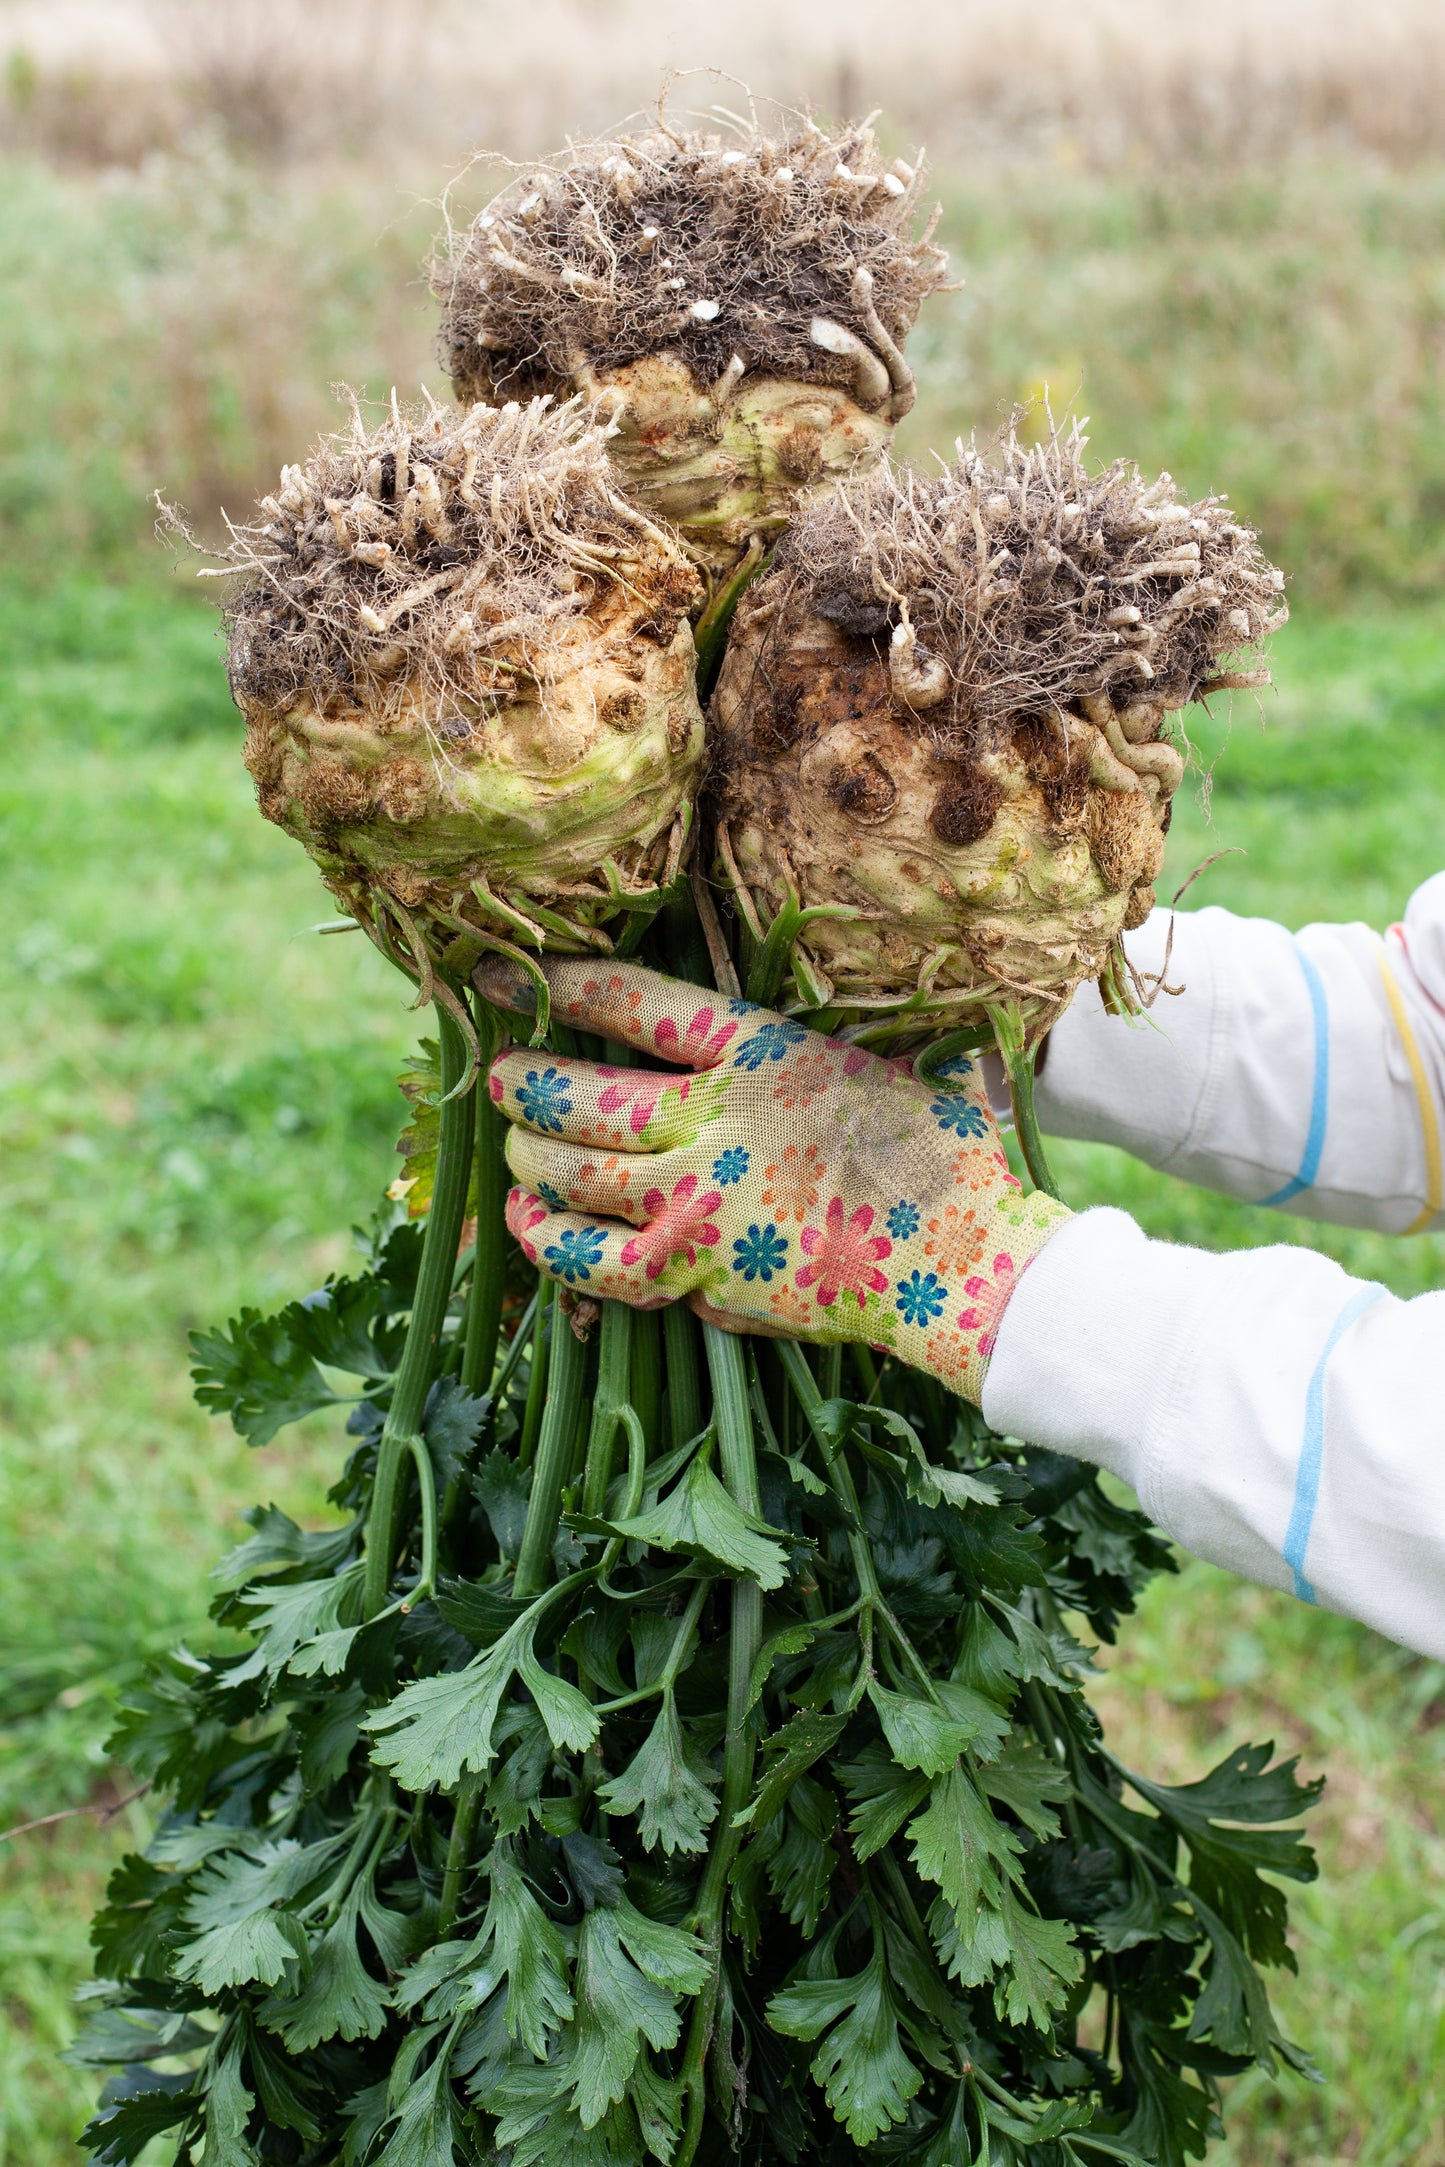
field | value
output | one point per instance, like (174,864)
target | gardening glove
(784,1183)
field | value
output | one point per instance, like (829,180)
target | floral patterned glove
(785,1183)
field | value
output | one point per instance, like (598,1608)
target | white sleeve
(1274,1415)
(1305,1070)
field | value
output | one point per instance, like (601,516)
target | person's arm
(1304,1071)
(1274,1415)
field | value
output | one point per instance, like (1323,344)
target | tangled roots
(436,555)
(468,677)
(1018,585)
(940,726)
(737,252)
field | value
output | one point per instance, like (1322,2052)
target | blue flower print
(551,1196)
(920,1297)
(730,1166)
(903,1220)
(574,1253)
(742,1008)
(960,1115)
(957,1064)
(761,1253)
(769,1044)
(543,1099)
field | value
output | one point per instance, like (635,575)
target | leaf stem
(646,1385)
(428,1316)
(841,1476)
(1018,1061)
(484,1300)
(668,1676)
(427,1484)
(459,1850)
(810,1399)
(566,1366)
(684,1388)
(737,1458)
(537,1380)
(614,1361)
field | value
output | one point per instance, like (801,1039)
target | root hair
(1019,584)
(710,244)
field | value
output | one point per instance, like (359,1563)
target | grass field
(200,1100)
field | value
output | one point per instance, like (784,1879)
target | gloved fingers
(608,1183)
(625,1001)
(583,1253)
(613,1109)
(668,1256)
(736,1321)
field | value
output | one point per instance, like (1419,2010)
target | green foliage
(701,1520)
(888,1819)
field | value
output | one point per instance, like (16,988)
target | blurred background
(1219,232)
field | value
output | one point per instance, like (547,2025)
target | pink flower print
(679,1225)
(700,1046)
(988,1299)
(855,1061)
(494,1085)
(638,1089)
(843,1256)
(524,1211)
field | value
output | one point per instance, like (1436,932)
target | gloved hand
(784,1183)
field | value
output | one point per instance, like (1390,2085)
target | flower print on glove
(779,1182)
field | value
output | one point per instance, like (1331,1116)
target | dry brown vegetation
(1101,80)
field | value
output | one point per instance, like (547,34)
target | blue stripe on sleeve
(1312,1446)
(1320,1095)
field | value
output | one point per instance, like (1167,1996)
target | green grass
(199,1100)
(1270,331)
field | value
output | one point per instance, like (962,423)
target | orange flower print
(794,1184)
(947,1354)
(611,1181)
(789,1308)
(979,1169)
(609,1006)
(955,1241)
(804,1079)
